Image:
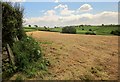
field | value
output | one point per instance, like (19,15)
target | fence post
(10,55)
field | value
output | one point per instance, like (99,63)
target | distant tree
(55,27)
(90,29)
(82,28)
(45,27)
(29,25)
(35,25)
(102,24)
(81,25)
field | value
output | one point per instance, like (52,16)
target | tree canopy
(12,15)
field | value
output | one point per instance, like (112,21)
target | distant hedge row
(116,32)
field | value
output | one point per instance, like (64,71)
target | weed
(45,42)
(19,77)
(93,70)
(87,77)
(99,72)
(61,47)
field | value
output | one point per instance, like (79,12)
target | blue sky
(70,13)
(33,9)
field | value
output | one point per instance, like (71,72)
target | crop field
(76,56)
(99,30)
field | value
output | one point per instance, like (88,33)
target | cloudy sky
(70,13)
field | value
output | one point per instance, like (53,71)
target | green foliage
(18,78)
(8,70)
(99,30)
(26,50)
(34,67)
(28,57)
(90,33)
(82,28)
(90,29)
(44,29)
(71,30)
(36,25)
(29,29)
(116,32)
(11,22)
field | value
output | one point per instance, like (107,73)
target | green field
(99,30)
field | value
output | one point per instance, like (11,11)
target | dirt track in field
(75,56)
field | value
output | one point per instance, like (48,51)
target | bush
(116,32)
(71,30)
(26,51)
(43,29)
(90,29)
(82,28)
(11,22)
(90,33)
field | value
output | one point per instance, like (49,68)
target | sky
(70,13)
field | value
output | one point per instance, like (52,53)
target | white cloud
(106,17)
(64,9)
(60,6)
(56,1)
(85,7)
(42,11)
(50,12)
(72,17)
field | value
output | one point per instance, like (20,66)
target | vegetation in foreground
(20,52)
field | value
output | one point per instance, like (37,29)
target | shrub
(26,51)
(71,30)
(90,29)
(43,29)
(116,32)
(82,28)
(90,33)
(11,22)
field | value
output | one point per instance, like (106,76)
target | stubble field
(75,56)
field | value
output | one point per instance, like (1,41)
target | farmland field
(76,56)
(99,30)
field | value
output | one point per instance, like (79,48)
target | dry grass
(75,56)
